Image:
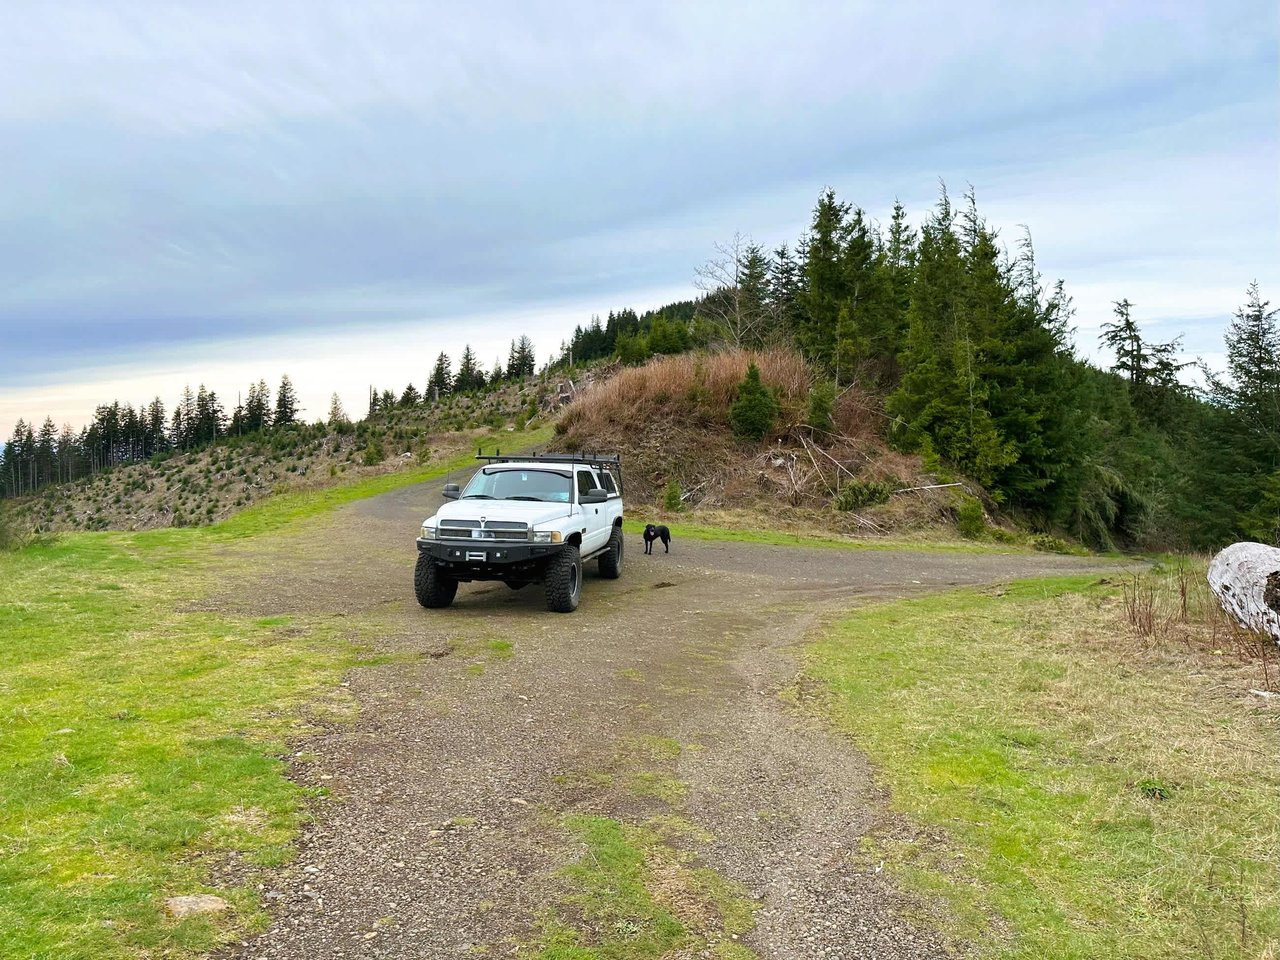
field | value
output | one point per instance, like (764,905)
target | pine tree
(784,291)
(46,441)
(1150,368)
(286,404)
(755,410)
(823,288)
(440,382)
(257,408)
(337,415)
(522,362)
(941,405)
(157,441)
(411,397)
(470,377)
(1253,360)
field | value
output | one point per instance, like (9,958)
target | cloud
(180,176)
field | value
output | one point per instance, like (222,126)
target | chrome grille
(490,530)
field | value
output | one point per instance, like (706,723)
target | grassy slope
(139,742)
(1101,806)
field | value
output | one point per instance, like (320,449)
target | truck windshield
(546,485)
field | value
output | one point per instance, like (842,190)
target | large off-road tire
(433,587)
(563,580)
(611,559)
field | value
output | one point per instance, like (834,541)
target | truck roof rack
(611,460)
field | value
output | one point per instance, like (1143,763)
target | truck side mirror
(451,491)
(596,495)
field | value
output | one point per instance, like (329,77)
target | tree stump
(1246,578)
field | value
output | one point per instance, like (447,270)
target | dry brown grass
(669,419)
(1170,611)
(701,384)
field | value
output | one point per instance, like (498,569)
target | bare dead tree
(734,312)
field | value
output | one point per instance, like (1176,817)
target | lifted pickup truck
(523,520)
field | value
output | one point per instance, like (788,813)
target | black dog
(656,532)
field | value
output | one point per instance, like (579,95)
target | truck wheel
(611,559)
(433,587)
(564,580)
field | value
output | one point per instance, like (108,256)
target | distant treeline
(970,352)
(121,433)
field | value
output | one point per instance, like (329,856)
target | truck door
(595,516)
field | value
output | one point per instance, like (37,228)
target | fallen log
(1246,579)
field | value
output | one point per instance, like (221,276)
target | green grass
(141,741)
(614,912)
(702,531)
(1093,803)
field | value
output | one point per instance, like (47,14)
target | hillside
(815,469)
(826,469)
(203,486)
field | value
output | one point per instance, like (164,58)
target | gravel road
(442,836)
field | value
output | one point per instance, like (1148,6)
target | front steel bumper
(489,560)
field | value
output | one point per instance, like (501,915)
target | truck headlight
(428,531)
(547,536)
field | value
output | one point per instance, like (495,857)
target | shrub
(671,497)
(970,521)
(754,412)
(1050,544)
(821,399)
(863,493)
(373,453)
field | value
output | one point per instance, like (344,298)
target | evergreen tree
(823,288)
(257,408)
(755,410)
(783,297)
(470,377)
(157,440)
(286,404)
(1253,361)
(46,441)
(440,382)
(411,397)
(522,361)
(940,406)
(337,415)
(210,420)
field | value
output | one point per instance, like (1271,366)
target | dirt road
(658,702)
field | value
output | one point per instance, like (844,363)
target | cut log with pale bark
(1246,578)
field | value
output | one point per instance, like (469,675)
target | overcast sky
(221,192)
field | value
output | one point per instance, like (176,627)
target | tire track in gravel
(441,836)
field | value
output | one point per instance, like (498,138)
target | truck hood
(525,511)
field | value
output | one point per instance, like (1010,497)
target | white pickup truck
(523,520)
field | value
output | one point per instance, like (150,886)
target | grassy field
(1080,767)
(142,742)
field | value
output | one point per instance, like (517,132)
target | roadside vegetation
(1084,768)
(144,742)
